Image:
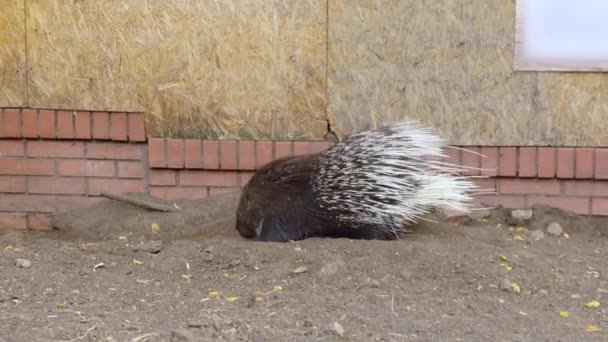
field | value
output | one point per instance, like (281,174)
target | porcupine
(369,186)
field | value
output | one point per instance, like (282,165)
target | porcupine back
(369,186)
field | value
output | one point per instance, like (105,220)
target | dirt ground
(116,272)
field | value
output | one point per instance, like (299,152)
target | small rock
(543,292)
(249,260)
(110,339)
(575,296)
(23,263)
(209,249)
(181,335)
(337,328)
(451,215)
(555,229)
(537,234)
(195,324)
(505,284)
(479,214)
(149,247)
(208,257)
(300,269)
(332,268)
(520,216)
(232,264)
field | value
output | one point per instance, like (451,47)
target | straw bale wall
(289,69)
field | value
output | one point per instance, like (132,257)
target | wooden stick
(139,202)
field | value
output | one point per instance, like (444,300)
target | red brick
(39,221)
(56,185)
(88,168)
(44,203)
(527,160)
(116,186)
(584,163)
(485,184)
(109,150)
(118,126)
(578,205)
(65,125)
(208,178)
(507,161)
(13,221)
(244,177)
(453,155)
(586,188)
(246,155)
(12,184)
(156,152)
(101,125)
(55,149)
(471,160)
(489,161)
(282,149)
(263,153)
(163,177)
(546,162)
(137,127)
(176,193)
(319,146)
(130,169)
(599,206)
(26,167)
(565,162)
(29,127)
(601,163)
(175,153)
(11,148)
(211,155)
(46,124)
(194,154)
(507,201)
(11,127)
(221,190)
(82,123)
(228,155)
(529,186)
(301,148)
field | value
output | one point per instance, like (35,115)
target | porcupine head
(369,186)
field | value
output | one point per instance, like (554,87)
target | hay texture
(204,69)
(13,91)
(449,63)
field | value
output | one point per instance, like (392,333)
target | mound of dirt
(213,217)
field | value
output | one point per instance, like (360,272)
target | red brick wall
(52,161)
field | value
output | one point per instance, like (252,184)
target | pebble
(455,216)
(208,257)
(575,296)
(332,268)
(537,234)
(337,328)
(505,284)
(23,263)
(300,269)
(149,247)
(479,214)
(520,217)
(195,324)
(543,292)
(555,229)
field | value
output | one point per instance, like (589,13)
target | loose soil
(116,272)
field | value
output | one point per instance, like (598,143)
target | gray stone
(149,247)
(520,216)
(337,328)
(537,234)
(23,263)
(555,229)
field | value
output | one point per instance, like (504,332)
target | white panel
(562,35)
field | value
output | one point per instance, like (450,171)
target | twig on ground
(139,202)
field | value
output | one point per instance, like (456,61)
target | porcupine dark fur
(369,186)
